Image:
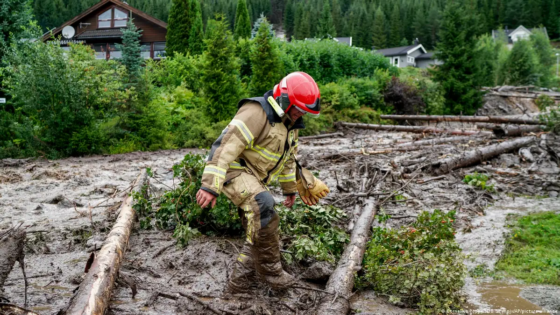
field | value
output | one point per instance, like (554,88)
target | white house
(517,34)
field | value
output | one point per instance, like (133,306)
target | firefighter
(256,148)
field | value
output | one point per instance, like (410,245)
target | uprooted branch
(487,119)
(415,129)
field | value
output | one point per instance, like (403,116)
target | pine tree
(456,49)
(379,38)
(179,27)
(363,34)
(421,29)
(521,66)
(220,72)
(289,14)
(262,19)
(326,24)
(298,22)
(242,21)
(396,31)
(432,26)
(267,67)
(196,36)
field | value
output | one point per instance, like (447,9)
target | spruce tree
(432,25)
(456,50)
(337,18)
(289,15)
(326,24)
(220,72)
(396,30)
(267,67)
(179,27)
(131,51)
(421,29)
(298,22)
(196,36)
(379,39)
(521,66)
(242,21)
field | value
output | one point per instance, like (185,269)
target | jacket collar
(273,116)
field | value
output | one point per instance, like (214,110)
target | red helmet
(300,90)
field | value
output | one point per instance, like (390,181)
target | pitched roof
(344,40)
(99,5)
(425,56)
(508,32)
(398,51)
(108,33)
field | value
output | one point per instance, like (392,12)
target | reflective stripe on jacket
(251,143)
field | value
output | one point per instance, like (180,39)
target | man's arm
(240,133)
(287,177)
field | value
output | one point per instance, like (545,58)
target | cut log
(94,294)
(438,141)
(11,250)
(487,119)
(511,130)
(478,155)
(326,135)
(351,152)
(341,281)
(10,309)
(415,129)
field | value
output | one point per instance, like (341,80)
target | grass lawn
(533,249)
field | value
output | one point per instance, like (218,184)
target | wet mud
(68,206)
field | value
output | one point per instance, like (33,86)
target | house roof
(344,40)
(108,33)
(99,5)
(425,56)
(398,51)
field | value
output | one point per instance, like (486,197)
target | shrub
(419,266)
(479,181)
(544,101)
(406,99)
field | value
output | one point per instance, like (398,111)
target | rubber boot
(243,277)
(266,253)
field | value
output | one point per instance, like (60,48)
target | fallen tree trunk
(512,130)
(351,152)
(94,294)
(415,129)
(478,155)
(488,119)
(341,281)
(326,135)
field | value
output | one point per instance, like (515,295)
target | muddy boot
(266,253)
(243,276)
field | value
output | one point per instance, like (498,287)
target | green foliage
(179,27)
(220,72)
(379,37)
(396,29)
(551,119)
(16,23)
(479,181)
(131,58)
(258,23)
(419,266)
(521,67)
(242,21)
(326,25)
(196,35)
(458,75)
(532,250)
(544,101)
(313,232)
(267,67)
(545,57)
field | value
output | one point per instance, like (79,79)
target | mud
(68,206)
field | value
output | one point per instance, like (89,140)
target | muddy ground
(68,206)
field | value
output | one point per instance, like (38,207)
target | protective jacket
(256,141)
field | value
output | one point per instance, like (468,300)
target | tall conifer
(242,21)
(396,31)
(266,66)
(289,14)
(179,27)
(196,36)
(379,38)
(326,24)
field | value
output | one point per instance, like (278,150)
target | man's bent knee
(266,203)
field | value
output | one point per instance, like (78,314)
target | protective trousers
(261,252)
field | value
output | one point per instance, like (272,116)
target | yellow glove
(310,188)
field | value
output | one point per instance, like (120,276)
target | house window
(112,18)
(146,50)
(114,52)
(159,50)
(396,61)
(410,59)
(100,51)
